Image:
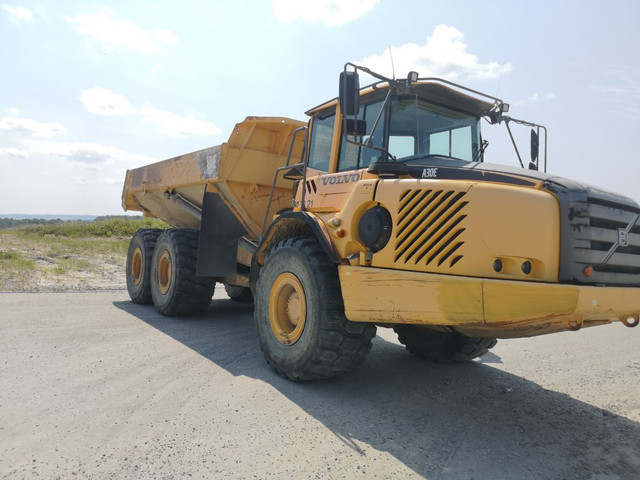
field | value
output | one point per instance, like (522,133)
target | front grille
(600,230)
(429,226)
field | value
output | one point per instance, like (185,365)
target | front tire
(139,258)
(443,347)
(175,288)
(299,314)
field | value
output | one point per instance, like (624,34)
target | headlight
(375,228)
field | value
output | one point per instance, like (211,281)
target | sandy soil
(94,270)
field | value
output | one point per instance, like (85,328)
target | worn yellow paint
(481,307)
(393,296)
(346,218)
(241,171)
(510,302)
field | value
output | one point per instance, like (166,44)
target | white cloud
(31,127)
(91,154)
(444,55)
(11,153)
(97,181)
(174,125)
(14,111)
(18,13)
(333,13)
(79,181)
(101,101)
(535,98)
(622,91)
(106,29)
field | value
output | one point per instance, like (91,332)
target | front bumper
(482,307)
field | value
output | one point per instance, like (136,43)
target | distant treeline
(12,222)
(121,217)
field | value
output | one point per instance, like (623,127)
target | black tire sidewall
(287,357)
(160,300)
(442,347)
(239,294)
(140,293)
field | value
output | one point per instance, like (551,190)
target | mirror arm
(532,125)
(375,124)
(366,70)
(506,122)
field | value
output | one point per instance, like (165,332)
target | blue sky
(89,89)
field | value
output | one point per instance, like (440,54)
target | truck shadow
(442,421)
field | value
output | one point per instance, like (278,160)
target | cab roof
(434,90)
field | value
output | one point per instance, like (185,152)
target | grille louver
(428,227)
(597,240)
(600,230)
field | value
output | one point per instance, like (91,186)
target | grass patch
(114,227)
(66,265)
(12,260)
(9,255)
(15,269)
(71,255)
(61,247)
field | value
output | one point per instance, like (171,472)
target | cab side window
(320,144)
(353,157)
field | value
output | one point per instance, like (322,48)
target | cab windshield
(417,129)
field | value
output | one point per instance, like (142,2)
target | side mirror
(355,127)
(535,150)
(349,95)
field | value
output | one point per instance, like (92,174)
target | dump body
(240,171)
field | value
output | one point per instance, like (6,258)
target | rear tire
(175,288)
(443,347)
(139,258)
(239,294)
(299,314)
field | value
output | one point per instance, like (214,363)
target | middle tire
(175,288)
(443,347)
(299,314)
(239,294)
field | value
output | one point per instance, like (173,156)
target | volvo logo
(623,239)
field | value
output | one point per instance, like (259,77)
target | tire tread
(192,294)
(341,344)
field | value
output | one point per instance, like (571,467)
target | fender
(287,225)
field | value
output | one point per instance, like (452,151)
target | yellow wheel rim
(136,266)
(287,309)
(164,273)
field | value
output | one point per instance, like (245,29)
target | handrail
(278,170)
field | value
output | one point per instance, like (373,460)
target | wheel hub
(136,266)
(287,309)
(164,273)
(293,308)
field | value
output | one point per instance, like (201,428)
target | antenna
(393,70)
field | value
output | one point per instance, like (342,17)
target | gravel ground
(93,386)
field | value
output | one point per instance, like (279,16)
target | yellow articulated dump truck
(381,212)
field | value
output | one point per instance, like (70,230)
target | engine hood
(441,168)
(599,229)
